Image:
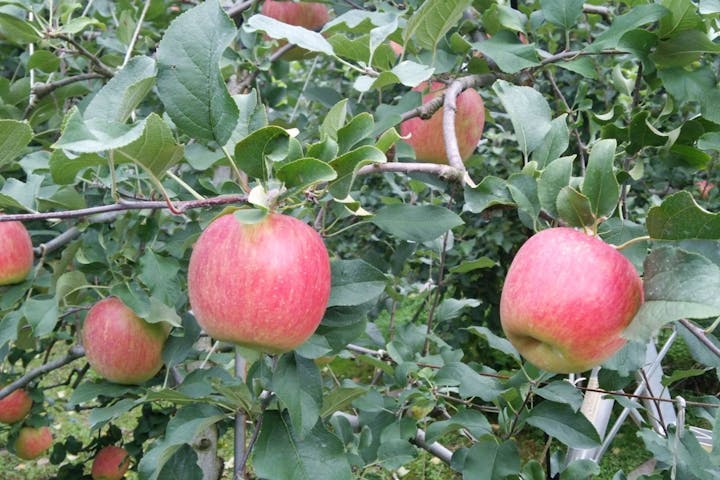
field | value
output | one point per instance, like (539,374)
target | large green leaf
(563,13)
(304,172)
(529,113)
(677,284)
(17,30)
(355,282)
(97,134)
(296,382)
(347,166)
(683,49)
(416,223)
(280,455)
(124,92)
(570,427)
(14,137)
(489,192)
(555,142)
(470,383)
(600,184)
(302,37)
(508,52)
(155,151)
(574,207)
(489,460)
(471,420)
(64,167)
(251,152)
(553,179)
(638,16)
(679,217)
(189,81)
(433,20)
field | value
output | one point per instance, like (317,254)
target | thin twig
(239,8)
(97,63)
(136,33)
(42,89)
(569,55)
(700,335)
(75,352)
(248,80)
(446,172)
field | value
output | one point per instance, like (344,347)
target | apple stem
(632,241)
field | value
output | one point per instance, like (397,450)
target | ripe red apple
(15,406)
(263,285)
(310,15)
(427,135)
(567,298)
(119,345)
(110,463)
(16,253)
(32,442)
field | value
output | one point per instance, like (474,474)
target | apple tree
(421,143)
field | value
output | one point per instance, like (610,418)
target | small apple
(119,345)
(397,48)
(310,15)
(566,300)
(426,136)
(16,253)
(262,285)
(704,187)
(32,442)
(15,406)
(110,463)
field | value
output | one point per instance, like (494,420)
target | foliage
(126,127)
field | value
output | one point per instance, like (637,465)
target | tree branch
(446,172)
(700,335)
(123,205)
(238,8)
(427,110)
(250,77)
(573,54)
(75,352)
(449,134)
(604,12)
(42,89)
(97,63)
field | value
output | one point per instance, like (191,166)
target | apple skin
(310,15)
(16,253)
(567,298)
(119,345)
(110,463)
(427,135)
(15,406)
(263,286)
(32,442)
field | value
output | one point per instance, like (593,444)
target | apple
(566,300)
(110,463)
(262,285)
(396,48)
(426,136)
(704,188)
(32,442)
(310,15)
(16,253)
(15,406)
(119,345)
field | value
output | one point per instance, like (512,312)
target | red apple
(15,406)
(16,253)
(110,463)
(264,285)
(119,345)
(426,136)
(567,298)
(32,442)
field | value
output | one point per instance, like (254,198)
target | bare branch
(569,55)
(700,335)
(446,172)
(97,63)
(42,89)
(449,134)
(604,12)
(239,8)
(124,205)
(427,110)
(75,352)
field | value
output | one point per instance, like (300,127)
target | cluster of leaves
(602,118)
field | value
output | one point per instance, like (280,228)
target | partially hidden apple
(15,406)
(310,15)
(262,285)
(16,253)
(566,300)
(426,136)
(32,442)
(119,345)
(110,463)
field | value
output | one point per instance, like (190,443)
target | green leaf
(21,195)
(41,314)
(529,113)
(433,20)
(44,60)
(181,429)
(503,17)
(96,135)
(89,391)
(182,465)
(490,461)
(409,73)
(334,120)
(123,93)
(561,391)
(451,308)
(252,151)
(683,49)
(600,185)
(416,223)
(339,399)
(560,421)
(677,284)
(296,382)
(510,54)
(155,151)
(471,383)
(642,134)
(496,343)
(555,142)
(64,167)
(302,37)
(553,179)
(523,189)
(359,128)
(471,420)
(78,24)
(252,117)
(580,470)
(280,455)
(489,192)
(679,217)
(469,266)
(99,416)
(355,282)
(347,166)
(638,16)
(189,81)
(159,274)
(14,137)
(574,208)
(17,31)
(683,16)
(564,13)
(304,172)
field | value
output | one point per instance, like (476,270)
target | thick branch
(604,12)
(123,205)
(74,353)
(237,9)
(451,174)
(700,335)
(42,89)
(427,110)
(452,150)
